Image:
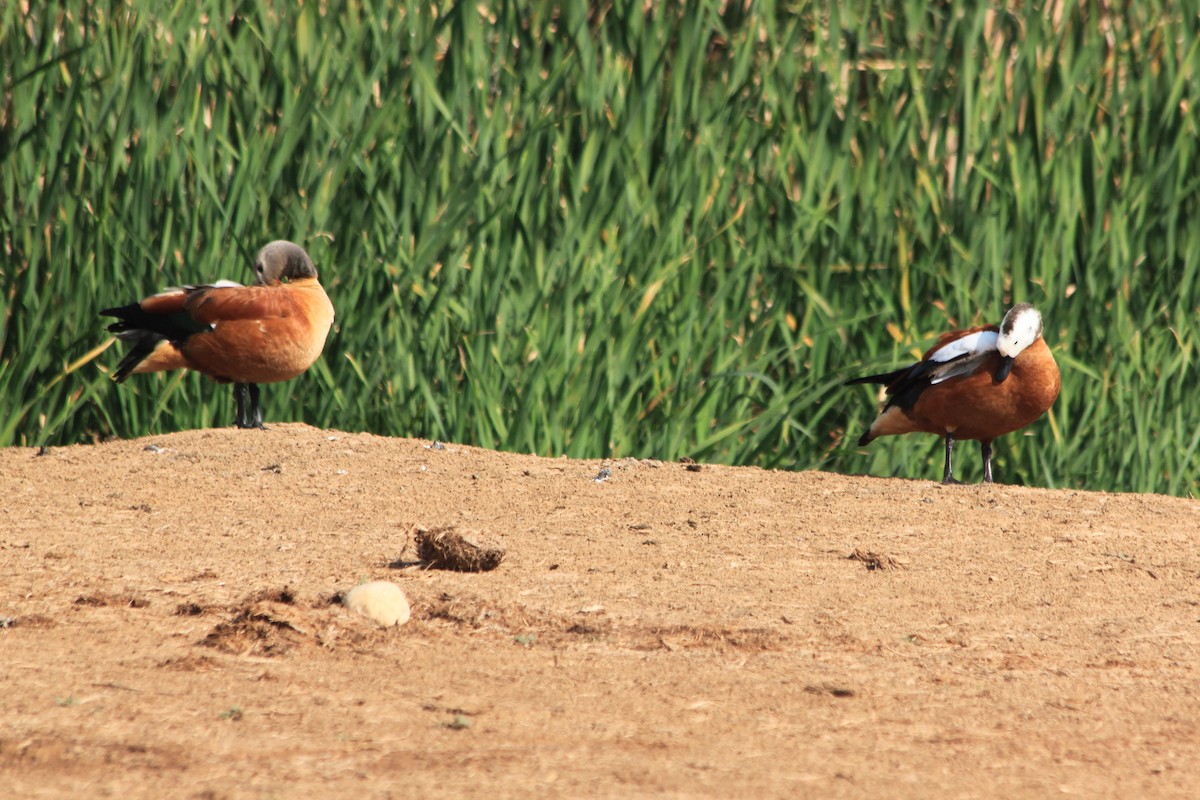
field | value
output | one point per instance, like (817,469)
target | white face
(1021,327)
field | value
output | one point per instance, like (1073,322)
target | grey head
(282,261)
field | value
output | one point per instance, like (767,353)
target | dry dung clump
(468,551)
(872,560)
(266,623)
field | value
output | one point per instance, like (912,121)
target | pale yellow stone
(380,601)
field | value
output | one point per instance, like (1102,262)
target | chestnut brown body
(245,335)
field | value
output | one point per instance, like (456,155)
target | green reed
(595,229)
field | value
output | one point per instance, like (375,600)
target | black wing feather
(143,331)
(905,385)
(133,317)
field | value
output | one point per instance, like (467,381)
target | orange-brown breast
(977,407)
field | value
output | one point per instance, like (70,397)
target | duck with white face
(978,383)
(1021,327)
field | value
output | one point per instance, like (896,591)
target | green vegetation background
(619,228)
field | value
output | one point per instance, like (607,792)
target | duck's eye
(258,267)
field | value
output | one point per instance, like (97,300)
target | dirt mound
(168,618)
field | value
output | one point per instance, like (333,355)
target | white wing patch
(979,343)
(221,284)
(191,287)
(962,356)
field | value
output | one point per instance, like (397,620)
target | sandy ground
(167,629)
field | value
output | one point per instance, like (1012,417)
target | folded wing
(962,356)
(956,354)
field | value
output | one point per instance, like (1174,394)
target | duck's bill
(1006,363)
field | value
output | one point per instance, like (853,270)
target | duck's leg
(948,472)
(249,413)
(240,395)
(985,447)
(255,408)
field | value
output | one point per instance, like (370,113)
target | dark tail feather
(135,326)
(886,378)
(133,317)
(143,343)
(143,331)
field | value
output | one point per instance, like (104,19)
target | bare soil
(169,628)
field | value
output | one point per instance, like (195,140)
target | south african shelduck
(978,383)
(245,335)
